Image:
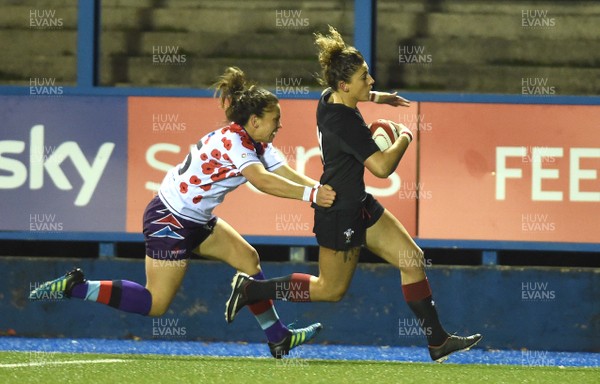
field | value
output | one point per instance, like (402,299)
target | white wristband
(306,194)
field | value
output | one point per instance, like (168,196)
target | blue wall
(534,308)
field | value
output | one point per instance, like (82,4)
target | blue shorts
(170,237)
(344,229)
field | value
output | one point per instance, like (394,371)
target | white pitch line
(45,363)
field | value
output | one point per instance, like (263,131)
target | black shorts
(346,228)
(171,237)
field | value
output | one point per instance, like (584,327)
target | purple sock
(267,317)
(124,295)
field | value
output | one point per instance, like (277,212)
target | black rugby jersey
(346,143)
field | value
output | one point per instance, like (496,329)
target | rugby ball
(384,133)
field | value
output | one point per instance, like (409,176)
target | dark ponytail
(241,99)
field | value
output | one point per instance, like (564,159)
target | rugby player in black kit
(356,219)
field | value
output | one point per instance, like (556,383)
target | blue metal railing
(484,245)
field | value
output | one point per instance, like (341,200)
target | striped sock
(124,295)
(266,315)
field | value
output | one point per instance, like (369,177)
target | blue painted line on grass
(311,351)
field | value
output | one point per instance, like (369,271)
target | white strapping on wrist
(313,194)
(307,193)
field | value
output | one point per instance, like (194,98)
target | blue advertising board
(63,163)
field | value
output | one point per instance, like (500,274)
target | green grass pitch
(46,367)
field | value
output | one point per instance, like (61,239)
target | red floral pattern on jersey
(227,145)
(183,187)
(233,127)
(247,143)
(212,170)
(209,168)
(221,174)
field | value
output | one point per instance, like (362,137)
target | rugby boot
(453,344)
(58,288)
(295,338)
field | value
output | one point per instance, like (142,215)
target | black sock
(419,299)
(425,311)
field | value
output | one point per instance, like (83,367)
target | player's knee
(159,305)
(254,256)
(334,294)
(251,261)
(334,297)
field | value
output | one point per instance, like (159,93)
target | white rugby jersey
(212,169)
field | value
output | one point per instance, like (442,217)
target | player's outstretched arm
(276,185)
(295,176)
(388,98)
(383,163)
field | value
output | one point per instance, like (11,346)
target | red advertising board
(474,172)
(161,131)
(510,172)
